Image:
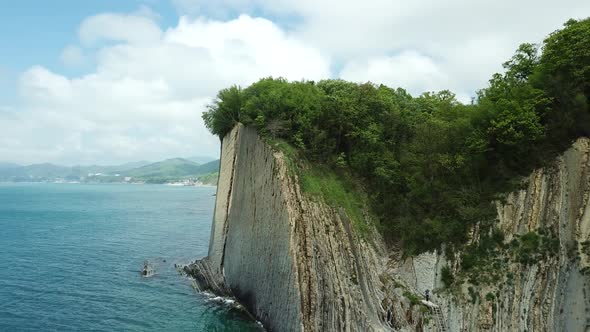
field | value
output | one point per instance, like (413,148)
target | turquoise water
(71,253)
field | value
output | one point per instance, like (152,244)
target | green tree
(565,75)
(224,112)
(431,166)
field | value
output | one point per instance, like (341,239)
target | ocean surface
(70,256)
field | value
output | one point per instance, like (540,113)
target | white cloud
(409,70)
(72,56)
(145,97)
(115,27)
(467,40)
(147,94)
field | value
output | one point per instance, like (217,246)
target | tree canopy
(432,165)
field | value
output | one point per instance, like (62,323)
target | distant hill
(201,159)
(8,165)
(8,168)
(169,170)
(132,165)
(44,170)
(176,167)
(51,171)
(174,170)
(210,167)
(84,170)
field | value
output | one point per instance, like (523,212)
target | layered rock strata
(298,264)
(550,294)
(295,263)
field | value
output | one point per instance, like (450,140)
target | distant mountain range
(176,170)
(201,159)
(8,165)
(173,168)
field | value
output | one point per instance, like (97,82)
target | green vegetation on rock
(446,276)
(414,299)
(337,190)
(431,166)
(335,186)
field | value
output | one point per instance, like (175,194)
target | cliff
(551,291)
(295,263)
(298,264)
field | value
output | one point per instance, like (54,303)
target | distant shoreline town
(176,171)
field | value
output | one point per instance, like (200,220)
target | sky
(113,81)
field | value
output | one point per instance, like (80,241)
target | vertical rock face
(294,263)
(297,264)
(552,293)
(250,255)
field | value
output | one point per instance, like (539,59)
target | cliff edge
(294,263)
(298,264)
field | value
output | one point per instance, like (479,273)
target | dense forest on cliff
(431,166)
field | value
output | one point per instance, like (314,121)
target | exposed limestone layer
(549,295)
(250,256)
(297,264)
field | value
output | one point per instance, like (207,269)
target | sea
(71,255)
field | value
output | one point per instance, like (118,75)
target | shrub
(490,297)
(414,299)
(447,276)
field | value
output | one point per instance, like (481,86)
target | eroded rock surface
(552,293)
(297,264)
(294,263)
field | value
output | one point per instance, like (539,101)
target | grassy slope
(337,189)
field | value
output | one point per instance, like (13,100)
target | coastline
(110,183)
